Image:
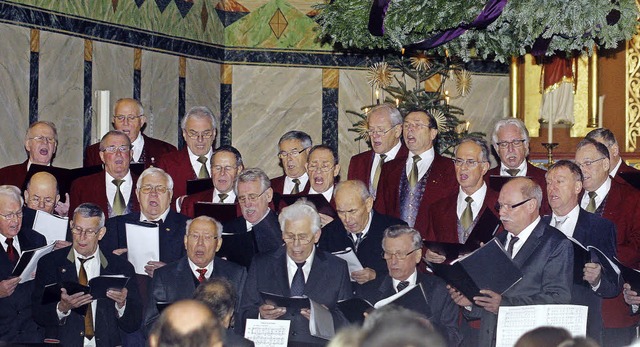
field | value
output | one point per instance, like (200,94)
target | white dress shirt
(423,165)
(570,220)
(391,154)
(138,146)
(522,168)
(476,205)
(522,237)
(230,199)
(288,183)
(411,279)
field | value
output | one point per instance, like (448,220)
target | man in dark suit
(511,141)
(40,142)
(226,165)
(541,252)
(297,269)
(105,318)
(359,228)
(153,190)
(199,130)
(16,323)
(619,203)
(254,193)
(384,126)
(187,323)
(408,187)
(111,189)
(607,138)
(179,279)
(128,117)
(402,247)
(293,148)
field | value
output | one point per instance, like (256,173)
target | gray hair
(605,134)
(334,153)
(297,135)
(251,175)
(395,231)
(154,171)
(137,102)
(199,112)
(600,147)
(359,187)
(509,121)
(207,219)
(395,117)
(114,133)
(484,147)
(90,210)
(298,210)
(12,192)
(43,122)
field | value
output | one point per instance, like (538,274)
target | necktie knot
(84,260)
(9,241)
(402,285)
(592,195)
(559,221)
(469,200)
(383,157)
(513,172)
(300,265)
(202,159)
(416,159)
(117,182)
(203,169)
(223,196)
(296,186)
(591,207)
(202,272)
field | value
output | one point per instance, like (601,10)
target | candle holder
(550,147)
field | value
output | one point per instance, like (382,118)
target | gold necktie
(203,169)
(513,172)
(88,317)
(376,175)
(413,175)
(591,207)
(223,196)
(296,187)
(466,219)
(118,200)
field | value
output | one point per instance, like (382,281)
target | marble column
(226,96)
(87,95)
(330,83)
(34,63)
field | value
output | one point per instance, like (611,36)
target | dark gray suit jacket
(546,262)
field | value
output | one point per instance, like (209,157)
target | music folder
(97,287)
(496,181)
(199,185)
(354,309)
(295,303)
(221,212)
(322,205)
(589,254)
(238,248)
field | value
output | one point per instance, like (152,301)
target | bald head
(186,323)
(42,192)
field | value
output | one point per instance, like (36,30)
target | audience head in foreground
(187,323)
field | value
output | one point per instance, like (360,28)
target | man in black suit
(402,252)
(297,269)
(591,282)
(105,318)
(359,228)
(179,279)
(16,324)
(541,252)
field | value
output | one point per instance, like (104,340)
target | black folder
(199,185)
(294,303)
(65,177)
(322,205)
(238,248)
(97,287)
(496,181)
(221,212)
(590,254)
(354,309)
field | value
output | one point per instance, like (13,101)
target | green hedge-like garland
(572,25)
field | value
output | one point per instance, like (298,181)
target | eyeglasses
(147,189)
(218,168)
(514,143)
(470,163)
(13,215)
(250,198)
(207,134)
(302,239)
(120,118)
(380,132)
(400,256)
(588,163)
(321,168)
(416,126)
(205,237)
(43,139)
(37,200)
(115,149)
(498,206)
(76,230)
(294,153)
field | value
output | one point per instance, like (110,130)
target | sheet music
(267,332)
(352,260)
(143,245)
(515,321)
(52,227)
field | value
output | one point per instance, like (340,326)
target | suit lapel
(185,275)
(582,226)
(530,245)
(317,273)
(386,288)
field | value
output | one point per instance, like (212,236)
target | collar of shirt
(250,226)
(231,198)
(601,192)
(138,146)
(522,236)
(16,243)
(423,165)
(364,231)
(162,217)
(412,280)
(306,268)
(391,154)
(91,266)
(476,205)
(616,168)
(125,188)
(194,267)
(288,183)
(327,194)
(195,164)
(569,225)
(522,168)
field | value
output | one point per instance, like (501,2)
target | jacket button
(82,333)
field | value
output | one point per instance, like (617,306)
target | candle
(397,102)
(446,97)
(550,134)
(505,107)
(466,127)
(600,110)
(377,97)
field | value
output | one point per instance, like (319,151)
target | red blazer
(14,174)
(189,203)
(537,175)
(360,164)
(92,188)
(440,183)
(153,149)
(178,166)
(277,184)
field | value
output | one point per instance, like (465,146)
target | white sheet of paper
(143,245)
(52,227)
(393,297)
(515,321)
(30,271)
(268,332)
(352,260)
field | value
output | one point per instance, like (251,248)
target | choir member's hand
(8,286)
(62,208)
(630,296)
(458,298)
(119,251)
(271,312)
(324,219)
(434,257)
(152,266)
(306,313)
(119,296)
(363,276)
(592,273)
(61,244)
(490,300)
(68,302)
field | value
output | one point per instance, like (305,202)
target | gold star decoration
(441,119)
(420,62)
(463,82)
(380,75)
